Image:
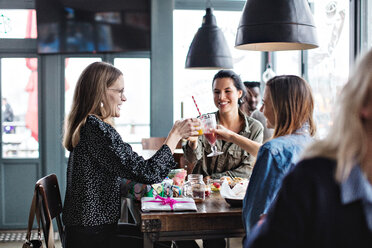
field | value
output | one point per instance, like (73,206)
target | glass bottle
(194,187)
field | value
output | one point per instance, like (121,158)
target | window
(18,23)
(366,26)
(198,83)
(134,121)
(288,62)
(19,93)
(328,65)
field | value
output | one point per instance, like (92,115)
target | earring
(101,104)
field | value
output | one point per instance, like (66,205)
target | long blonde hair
(293,104)
(346,141)
(89,99)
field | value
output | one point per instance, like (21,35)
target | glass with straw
(200,131)
(208,122)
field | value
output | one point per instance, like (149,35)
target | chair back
(50,197)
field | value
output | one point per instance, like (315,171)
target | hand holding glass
(209,122)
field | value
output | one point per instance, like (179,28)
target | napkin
(237,192)
(167,204)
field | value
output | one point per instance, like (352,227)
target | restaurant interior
(168,55)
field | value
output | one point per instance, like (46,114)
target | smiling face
(115,96)
(267,109)
(225,94)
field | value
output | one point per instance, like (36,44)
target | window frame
(11,54)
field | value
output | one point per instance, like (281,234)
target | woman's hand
(193,142)
(262,219)
(224,133)
(182,129)
(187,128)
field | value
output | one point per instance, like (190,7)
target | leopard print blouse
(95,170)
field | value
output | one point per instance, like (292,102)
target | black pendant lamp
(209,49)
(276,25)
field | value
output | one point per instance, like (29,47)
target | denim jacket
(274,160)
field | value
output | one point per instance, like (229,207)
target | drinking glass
(208,122)
(200,129)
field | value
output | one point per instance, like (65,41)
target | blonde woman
(99,159)
(326,201)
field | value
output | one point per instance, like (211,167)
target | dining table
(214,218)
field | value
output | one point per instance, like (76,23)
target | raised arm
(182,129)
(250,146)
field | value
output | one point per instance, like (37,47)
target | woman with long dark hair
(228,94)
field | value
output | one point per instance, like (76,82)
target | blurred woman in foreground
(326,201)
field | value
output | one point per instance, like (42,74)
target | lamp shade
(276,25)
(209,49)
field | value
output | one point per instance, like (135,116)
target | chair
(51,203)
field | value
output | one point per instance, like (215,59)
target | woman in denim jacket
(288,106)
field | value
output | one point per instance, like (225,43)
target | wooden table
(213,219)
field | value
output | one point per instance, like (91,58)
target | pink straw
(196,105)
